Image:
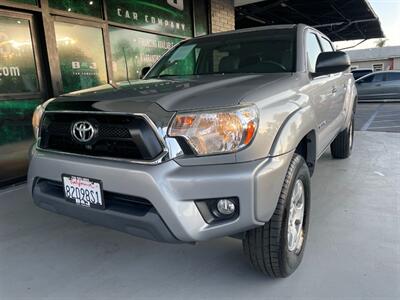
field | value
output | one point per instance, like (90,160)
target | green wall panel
(16,120)
(16,137)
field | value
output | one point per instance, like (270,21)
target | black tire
(342,145)
(267,247)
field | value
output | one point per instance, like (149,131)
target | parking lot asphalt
(378,117)
(353,251)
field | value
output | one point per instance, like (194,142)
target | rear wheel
(277,248)
(342,146)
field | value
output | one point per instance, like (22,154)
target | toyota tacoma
(219,138)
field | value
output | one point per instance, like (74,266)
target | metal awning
(339,19)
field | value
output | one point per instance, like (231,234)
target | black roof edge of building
(338,19)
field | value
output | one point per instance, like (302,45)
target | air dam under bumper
(171,189)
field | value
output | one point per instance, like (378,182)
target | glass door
(20,92)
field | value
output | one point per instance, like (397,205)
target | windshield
(269,51)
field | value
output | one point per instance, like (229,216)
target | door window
(81,53)
(373,78)
(313,51)
(17,63)
(326,45)
(393,76)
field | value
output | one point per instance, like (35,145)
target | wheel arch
(298,133)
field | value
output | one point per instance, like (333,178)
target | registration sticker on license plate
(83,191)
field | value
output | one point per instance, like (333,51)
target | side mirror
(144,71)
(332,62)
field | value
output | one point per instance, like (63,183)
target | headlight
(37,117)
(216,132)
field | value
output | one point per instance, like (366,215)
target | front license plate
(83,191)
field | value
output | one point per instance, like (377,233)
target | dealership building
(51,47)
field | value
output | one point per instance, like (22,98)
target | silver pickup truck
(219,138)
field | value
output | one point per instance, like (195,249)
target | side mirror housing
(332,62)
(144,71)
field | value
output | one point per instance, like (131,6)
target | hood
(177,94)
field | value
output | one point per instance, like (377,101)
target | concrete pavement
(353,251)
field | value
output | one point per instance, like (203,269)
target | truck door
(338,88)
(320,91)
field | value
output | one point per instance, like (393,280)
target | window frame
(317,35)
(380,64)
(106,43)
(328,41)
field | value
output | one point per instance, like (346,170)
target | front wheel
(342,146)
(277,248)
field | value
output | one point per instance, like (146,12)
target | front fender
(293,130)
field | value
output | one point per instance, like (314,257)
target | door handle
(334,90)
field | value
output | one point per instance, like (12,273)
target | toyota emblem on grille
(83,131)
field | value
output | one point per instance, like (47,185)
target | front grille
(116,136)
(113,201)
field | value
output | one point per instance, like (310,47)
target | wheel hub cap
(295,233)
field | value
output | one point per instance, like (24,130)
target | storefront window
(170,16)
(81,53)
(201,18)
(17,63)
(133,50)
(85,7)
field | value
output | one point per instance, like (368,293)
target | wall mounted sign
(165,16)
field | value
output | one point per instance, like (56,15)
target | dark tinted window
(373,78)
(358,74)
(273,51)
(326,45)
(393,76)
(313,51)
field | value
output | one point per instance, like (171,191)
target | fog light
(218,209)
(226,207)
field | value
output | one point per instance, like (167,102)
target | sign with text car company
(164,16)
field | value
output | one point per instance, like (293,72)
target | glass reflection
(81,53)
(85,7)
(17,63)
(133,50)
